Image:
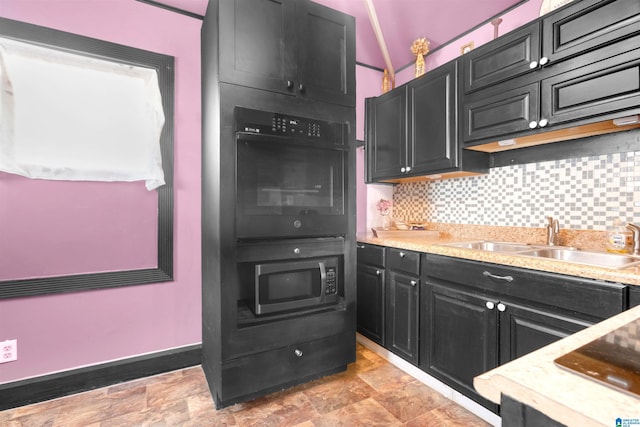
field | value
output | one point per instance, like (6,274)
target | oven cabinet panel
(292,47)
(371,287)
(326,54)
(260,373)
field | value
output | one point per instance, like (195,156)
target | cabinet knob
(296,251)
(378,272)
(301,88)
(402,170)
(402,254)
(360,246)
(544,60)
(501,307)
(533,64)
(543,122)
(413,283)
(298,352)
(533,124)
(408,169)
(490,305)
(289,84)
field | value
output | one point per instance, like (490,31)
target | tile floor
(371,392)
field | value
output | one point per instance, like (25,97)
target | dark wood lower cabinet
(402,306)
(517,414)
(370,302)
(459,338)
(525,329)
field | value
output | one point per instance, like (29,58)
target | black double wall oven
(290,197)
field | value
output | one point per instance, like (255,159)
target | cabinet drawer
(403,260)
(590,297)
(290,249)
(371,255)
(280,368)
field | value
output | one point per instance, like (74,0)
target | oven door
(289,188)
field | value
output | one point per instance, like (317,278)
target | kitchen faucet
(636,237)
(553,228)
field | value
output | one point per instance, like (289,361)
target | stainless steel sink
(493,246)
(597,259)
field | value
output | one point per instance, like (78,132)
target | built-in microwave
(292,285)
(290,176)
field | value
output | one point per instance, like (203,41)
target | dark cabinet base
(516,414)
(255,375)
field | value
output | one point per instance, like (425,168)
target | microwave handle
(323,278)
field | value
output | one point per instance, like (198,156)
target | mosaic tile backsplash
(585,193)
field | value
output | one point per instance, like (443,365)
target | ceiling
(401,21)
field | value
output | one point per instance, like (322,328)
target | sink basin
(493,246)
(596,259)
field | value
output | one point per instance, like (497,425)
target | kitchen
(144,310)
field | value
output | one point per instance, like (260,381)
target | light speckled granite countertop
(536,381)
(433,245)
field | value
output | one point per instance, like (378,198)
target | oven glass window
(290,286)
(286,179)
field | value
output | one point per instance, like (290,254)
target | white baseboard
(431,382)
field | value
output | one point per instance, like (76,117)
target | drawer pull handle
(298,352)
(402,254)
(490,305)
(493,276)
(296,251)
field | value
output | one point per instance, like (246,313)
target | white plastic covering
(65,116)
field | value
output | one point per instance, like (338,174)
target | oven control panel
(270,123)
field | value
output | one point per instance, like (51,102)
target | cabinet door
(588,24)
(258,44)
(433,126)
(604,86)
(458,338)
(402,303)
(525,329)
(370,302)
(500,111)
(387,135)
(509,56)
(326,54)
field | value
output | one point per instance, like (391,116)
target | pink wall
(67,331)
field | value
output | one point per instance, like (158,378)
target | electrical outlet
(8,351)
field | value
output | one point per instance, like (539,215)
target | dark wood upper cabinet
(298,48)
(413,130)
(588,24)
(512,55)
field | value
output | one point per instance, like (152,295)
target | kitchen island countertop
(564,396)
